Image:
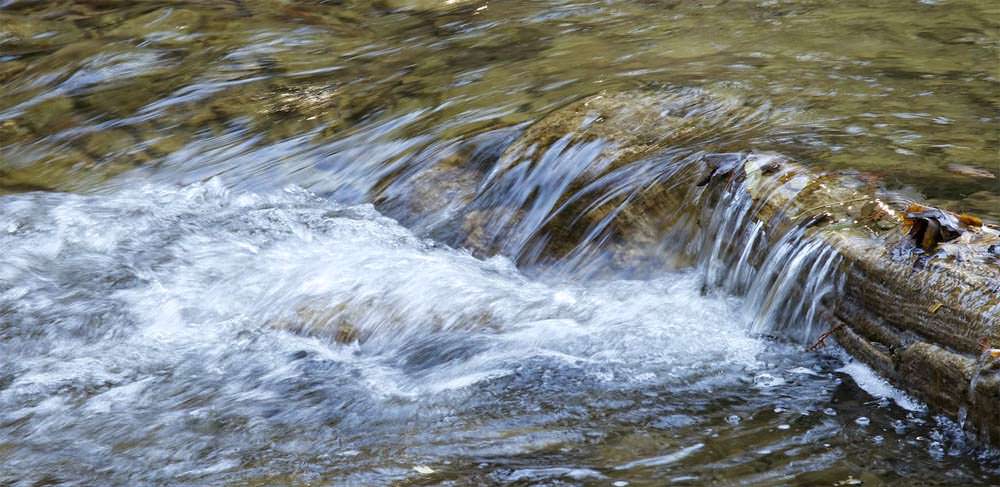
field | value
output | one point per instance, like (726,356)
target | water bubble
(803,371)
(830,412)
(734,419)
(563,297)
(620,483)
(936,450)
(766,380)
(862,421)
(783,427)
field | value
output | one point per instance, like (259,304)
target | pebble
(970,171)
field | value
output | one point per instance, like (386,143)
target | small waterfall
(571,198)
(572,204)
(787,276)
(536,191)
(986,359)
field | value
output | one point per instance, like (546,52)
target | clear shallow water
(902,90)
(162,326)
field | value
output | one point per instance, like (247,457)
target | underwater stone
(430,5)
(162,26)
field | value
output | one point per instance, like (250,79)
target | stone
(108,143)
(9,69)
(431,5)
(164,26)
(918,316)
(51,115)
(919,319)
(59,171)
(970,171)
(21,35)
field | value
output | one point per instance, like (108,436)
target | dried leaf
(930,226)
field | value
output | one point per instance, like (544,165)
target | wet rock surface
(921,289)
(610,169)
(920,296)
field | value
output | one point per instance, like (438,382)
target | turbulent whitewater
(190,336)
(158,315)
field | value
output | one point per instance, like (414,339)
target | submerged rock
(970,171)
(21,35)
(430,5)
(164,26)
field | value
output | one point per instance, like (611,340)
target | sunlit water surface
(220,303)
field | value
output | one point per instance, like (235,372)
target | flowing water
(275,242)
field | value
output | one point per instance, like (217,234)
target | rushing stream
(278,242)
(159,335)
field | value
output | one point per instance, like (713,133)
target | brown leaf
(930,226)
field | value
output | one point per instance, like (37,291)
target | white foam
(667,459)
(164,308)
(873,384)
